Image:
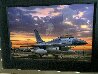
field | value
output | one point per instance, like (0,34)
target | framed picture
(49,35)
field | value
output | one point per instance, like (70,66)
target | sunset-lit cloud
(35,18)
(87,7)
(84,26)
(79,15)
(55,14)
(60,7)
(68,23)
(18,20)
(21,8)
(88,21)
(42,12)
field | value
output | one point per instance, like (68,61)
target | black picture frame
(10,63)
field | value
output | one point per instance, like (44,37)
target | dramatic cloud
(51,21)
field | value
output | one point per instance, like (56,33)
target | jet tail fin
(38,38)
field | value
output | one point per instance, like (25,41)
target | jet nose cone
(84,42)
(80,42)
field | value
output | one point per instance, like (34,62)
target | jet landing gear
(40,56)
(37,56)
(56,56)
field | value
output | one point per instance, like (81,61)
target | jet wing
(43,45)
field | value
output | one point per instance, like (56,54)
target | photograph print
(56,32)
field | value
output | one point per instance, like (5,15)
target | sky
(51,22)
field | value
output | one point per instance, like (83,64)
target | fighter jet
(54,46)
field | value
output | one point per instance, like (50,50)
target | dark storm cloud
(80,6)
(79,21)
(26,19)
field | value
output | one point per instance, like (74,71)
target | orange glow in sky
(23,39)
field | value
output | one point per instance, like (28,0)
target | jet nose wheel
(40,56)
(61,56)
(56,56)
